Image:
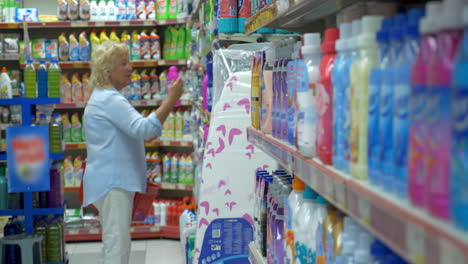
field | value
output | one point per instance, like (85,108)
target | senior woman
(115,134)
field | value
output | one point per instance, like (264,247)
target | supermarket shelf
(86,23)
(133,102)
(298,17)
(252,38)
(53,156)
(9,57)
(138,232)
(137,63)
(71,189)
(255,257)
(177,186)
(11,212)
(162,143)
(35,211)
(18,100)
(419,236)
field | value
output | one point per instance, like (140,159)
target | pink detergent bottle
(417,176)
(325,97)
(172,76)
(438,115)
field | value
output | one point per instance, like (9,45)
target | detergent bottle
(438,115)
(162,10)
(77,88)
(340,79)
(145,85)
(121,6)
(84,10)
(359,94)
(306,96)
(112,11)
(180,43)
(155,45)
(325,98)
(418,132)
(188,43)
(163,84)
(5,85)
(458,169)
(131,9)
(113,36)
(85,51)
(126,39)
(74,48)
(145,46)
(375,87)
(401,82)
(167,43)
(135,86)
(93,10)
(103,36)
(94,39)
(172,76)
(102,10)
(64,48)
(136,53)
(292,223)
(65,89)
(319,230)
(386,103)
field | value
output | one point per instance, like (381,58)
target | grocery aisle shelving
(86,23)
(164,186)
(133,102)
(297,18)
(158,143)
(411,232)
(137,232)
(137,63)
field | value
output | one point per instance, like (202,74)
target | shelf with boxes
(379,212)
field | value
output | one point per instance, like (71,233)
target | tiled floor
(156,251)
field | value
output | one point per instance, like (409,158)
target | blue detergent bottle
(459,162)
(340,80)
(375,85)
(386,103)
(42,80)
(401,93)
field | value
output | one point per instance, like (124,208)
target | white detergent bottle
(163,214)
(362,253)
(157,213)
(307,218)
(112,11)
(93,10)
(102,10)
(5,85)
(306,105)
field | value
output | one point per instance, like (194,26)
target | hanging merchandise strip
(409,231)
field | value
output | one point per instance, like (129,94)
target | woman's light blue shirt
(115,134)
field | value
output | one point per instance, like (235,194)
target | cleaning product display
(375,130)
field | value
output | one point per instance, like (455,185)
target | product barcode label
(216,233)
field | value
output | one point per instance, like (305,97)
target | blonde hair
(102,62)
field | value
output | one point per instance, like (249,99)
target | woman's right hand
(175,91)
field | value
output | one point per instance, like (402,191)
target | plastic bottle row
(171,168)
(113,10)
(43,82)
(73,170)
(166,212)
(76,89)
(177,126)
(53,243)
(294,224)
(383,101)
(50,199)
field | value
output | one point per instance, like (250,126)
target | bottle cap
(429,23)
(298,184)
(383,36)
(396,33)
(452,14)
(4,69)
(321,200)
(331,35)
(378,249)
(42,116)
(30,61)
(370,25)
(311,43)
(356,31)
(345,34)
(309,194)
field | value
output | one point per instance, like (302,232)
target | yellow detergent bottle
(103,36)
(113,36)
(135,53)
(94,39)
(359,101)
(85,54)
(74,48)
(64,48)
(65,89)
(126,39)
(77,89)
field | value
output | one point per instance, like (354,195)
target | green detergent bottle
(180,43)
(188,43)
(167,43)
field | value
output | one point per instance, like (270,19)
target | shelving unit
(86,23)
(408,230)
(133,102)
(300,17)
(159,143)
(136,64)
(28,211)
(164,186)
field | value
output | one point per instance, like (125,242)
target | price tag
(415,241)
(162,62)
(148,22)
(94,231)
(149,64)
(132,229)
(162,22)
(182,62)
(78,24)
(76,65)
(73,232)
(100,24)
(364,210)
(154,229)
(450,253)
(166,143)
(340,193)
(125,23)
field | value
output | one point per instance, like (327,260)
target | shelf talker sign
(28,159)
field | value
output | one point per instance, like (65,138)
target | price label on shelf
(162,62)
(148,64)
(415,242)
(73,232)
(94,231)
(100,24)
(132,229)
(79,23)
(148,22)
(450,253)
(125,23)
(181,62)
(154,229)
(162,22)
(364,210)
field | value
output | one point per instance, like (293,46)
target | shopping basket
(143,201)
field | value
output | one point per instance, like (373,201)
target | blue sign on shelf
(28,159)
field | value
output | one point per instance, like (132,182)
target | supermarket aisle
(155,251)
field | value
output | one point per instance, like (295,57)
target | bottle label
(373,125)
(330,253)
(386,127)
(319,247)
(228,9)
(417,146)
(354,125)
(400,131)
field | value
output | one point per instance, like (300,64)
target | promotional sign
(28,159)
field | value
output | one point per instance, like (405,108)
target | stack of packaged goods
(358,102)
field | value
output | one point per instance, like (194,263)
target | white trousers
(115,213)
